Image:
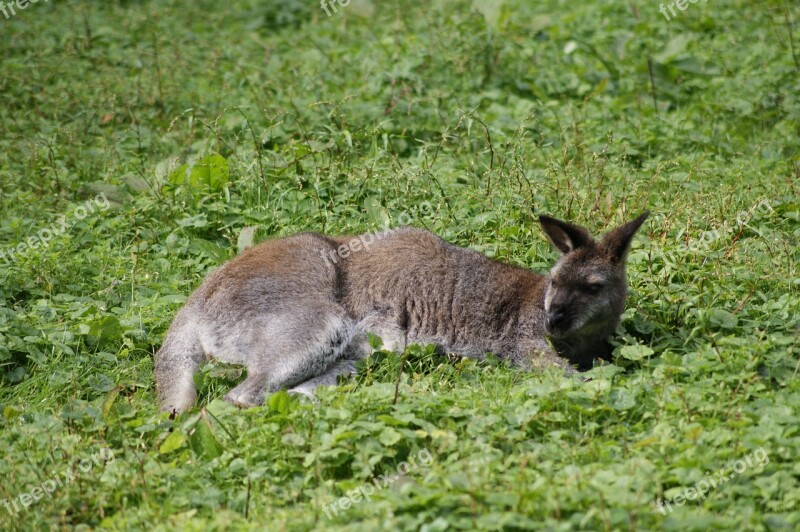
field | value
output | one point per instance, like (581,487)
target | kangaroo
(296,311)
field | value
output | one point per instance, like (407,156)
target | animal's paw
(178,404)
(305,393)
(242,400)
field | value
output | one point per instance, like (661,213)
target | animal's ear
(566,237)
(618,241)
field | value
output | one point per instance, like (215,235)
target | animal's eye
(593,288)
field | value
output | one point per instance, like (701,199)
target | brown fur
(296,310)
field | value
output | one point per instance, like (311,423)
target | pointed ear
(619,240)
(566,237)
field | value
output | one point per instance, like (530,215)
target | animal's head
(586,288)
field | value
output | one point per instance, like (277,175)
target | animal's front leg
(538,356)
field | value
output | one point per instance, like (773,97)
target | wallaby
(296,311)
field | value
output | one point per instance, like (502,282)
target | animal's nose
(556,319)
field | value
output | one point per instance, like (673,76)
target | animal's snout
(556,319)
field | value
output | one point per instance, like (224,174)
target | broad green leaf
(174,441)
(723,318)
(104,331)
(293,439)
(179,175)
(635,352)
(212,172)
(279,402)
(389,437)
(203,440)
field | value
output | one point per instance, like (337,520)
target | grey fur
(295,311)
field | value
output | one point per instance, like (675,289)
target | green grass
(491,112)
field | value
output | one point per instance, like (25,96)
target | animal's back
(238,304)
(272,273)
(439,292)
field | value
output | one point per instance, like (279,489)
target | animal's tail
(176,363)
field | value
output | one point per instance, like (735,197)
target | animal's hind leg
(250,392)
(329,378)
(358,349)
(291,348)
(176,363)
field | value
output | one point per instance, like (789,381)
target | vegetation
(139,140)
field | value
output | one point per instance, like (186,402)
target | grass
(147,135)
